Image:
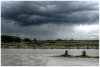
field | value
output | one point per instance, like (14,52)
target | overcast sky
(50,19)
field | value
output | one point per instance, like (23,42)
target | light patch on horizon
(86,28)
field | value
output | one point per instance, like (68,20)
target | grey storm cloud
(50,19)
(26,13)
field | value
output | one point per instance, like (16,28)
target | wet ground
(44,57)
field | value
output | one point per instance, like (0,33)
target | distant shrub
(27,40)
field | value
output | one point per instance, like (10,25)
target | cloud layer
(37,13)
(50,19)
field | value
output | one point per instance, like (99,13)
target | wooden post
(34,47)
(51,47)
(84,53)
(66,52)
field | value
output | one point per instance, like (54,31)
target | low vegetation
(16,42)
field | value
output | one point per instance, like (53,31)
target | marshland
(13,42)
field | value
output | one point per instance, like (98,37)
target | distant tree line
(17,42)
(6,38)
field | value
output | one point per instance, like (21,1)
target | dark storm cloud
(37,13)
(50,19)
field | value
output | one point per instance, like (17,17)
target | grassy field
(53,44)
